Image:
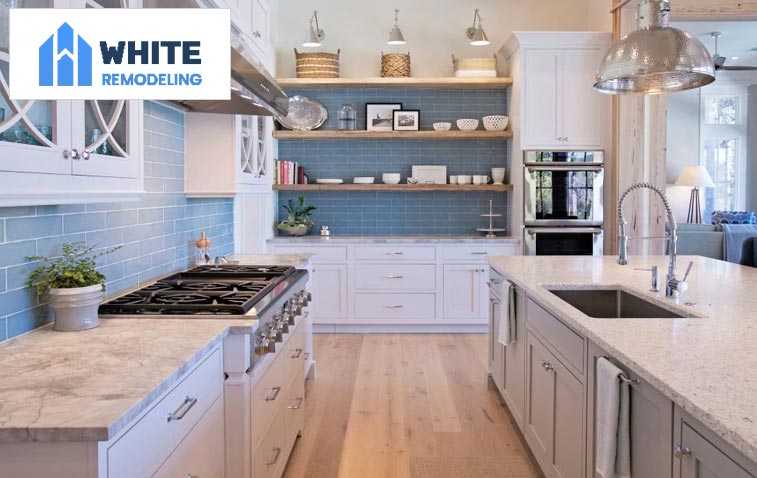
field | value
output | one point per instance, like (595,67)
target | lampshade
(476,33)
(696,177)
(315,35)
(655,58)
(395,36)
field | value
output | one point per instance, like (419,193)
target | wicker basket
(395,64)
(317,65)
(475,67)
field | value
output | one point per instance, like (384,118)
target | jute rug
(471,467)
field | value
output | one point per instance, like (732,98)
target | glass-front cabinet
(54,152)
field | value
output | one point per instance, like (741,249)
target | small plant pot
(75,309)
(298,230)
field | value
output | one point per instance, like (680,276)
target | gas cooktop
(206,290)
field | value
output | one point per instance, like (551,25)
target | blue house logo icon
(65,59)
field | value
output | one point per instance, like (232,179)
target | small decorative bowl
(495,122)
(467,124)
(442,126)
(391,178)
(297,230)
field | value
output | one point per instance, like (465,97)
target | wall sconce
(315,34)
(395,36)
(476,33)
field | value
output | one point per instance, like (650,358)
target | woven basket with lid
(395,64)
(317,64)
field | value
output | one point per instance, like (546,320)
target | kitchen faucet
(673,285)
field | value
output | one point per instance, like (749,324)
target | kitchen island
(701,368)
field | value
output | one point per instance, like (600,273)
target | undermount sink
(614,304)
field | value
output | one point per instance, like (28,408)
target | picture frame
(406,120)
(379,116)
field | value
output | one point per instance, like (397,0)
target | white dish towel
(507,332)
(613,433)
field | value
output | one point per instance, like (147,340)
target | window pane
(721,110)
(721,161)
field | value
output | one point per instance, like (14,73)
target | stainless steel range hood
(253,90)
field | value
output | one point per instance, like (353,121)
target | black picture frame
(382,122)
(397,117)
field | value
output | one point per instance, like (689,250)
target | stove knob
(295,308)
(276,335)
(270,346)
(291,318)
(308,296)
(282,325)
(261,346)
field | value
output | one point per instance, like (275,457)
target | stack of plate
(329,181)
(364,180)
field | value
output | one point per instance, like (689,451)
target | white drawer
(395,253)
(142,449)
(395,306)
(294,422)
(558,335)
(475,252)
(322,253)
(202,451)
(269,393)
(270,455)
(395,276)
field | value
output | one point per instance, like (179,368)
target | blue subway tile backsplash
(373,213)
(156,233)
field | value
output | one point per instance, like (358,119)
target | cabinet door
(329,292)
(539,424)
(705,460)
(515,362)
(246,144)
(542,111)
(464,291)
(34,134)
(496,349)
(568,454)
(582,105)
(261,27)
(201,453)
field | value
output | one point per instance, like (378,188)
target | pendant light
(656,58)
(395,36)
(476,33)
(315,34)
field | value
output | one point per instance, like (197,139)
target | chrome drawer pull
(547,366)
(478,253)
(276,454)
(175,415)
(274,393)
(394,306)
(296,354)
(681,451)
(394,253)
(395,277)
(298,404)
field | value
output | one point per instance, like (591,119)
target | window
(720,159)
(721,110)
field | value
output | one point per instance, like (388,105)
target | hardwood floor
(383,402)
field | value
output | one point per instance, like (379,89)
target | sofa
(700,240)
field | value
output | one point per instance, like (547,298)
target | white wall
(751,152)
(683,132)
(598,15)
(434,29)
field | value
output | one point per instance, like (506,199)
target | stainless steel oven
(563,241)
(563,188)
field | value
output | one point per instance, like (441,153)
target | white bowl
(467,124)
(442,126)
(495,122)
(391,178)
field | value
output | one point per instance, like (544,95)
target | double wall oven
(563,192)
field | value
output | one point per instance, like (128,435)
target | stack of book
(289,172)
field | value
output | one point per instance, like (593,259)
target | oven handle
(594,169)
(570,230)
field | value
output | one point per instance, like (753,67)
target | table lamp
(696,177)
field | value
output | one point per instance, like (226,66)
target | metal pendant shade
(655,58)
(395,36)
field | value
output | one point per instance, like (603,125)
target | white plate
(364,180)
(430,174)
(329,181)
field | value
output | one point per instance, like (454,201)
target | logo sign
(94,54)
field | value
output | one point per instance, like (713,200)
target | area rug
(470,467)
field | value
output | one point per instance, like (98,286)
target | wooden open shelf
(394,187)
(413,135)
(443,82)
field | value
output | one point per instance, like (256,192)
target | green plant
(298,213)
(75,267)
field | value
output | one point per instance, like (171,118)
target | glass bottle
(347,117)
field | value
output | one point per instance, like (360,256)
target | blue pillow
(733,217)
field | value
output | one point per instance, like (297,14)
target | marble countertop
(88,385)
(315,239)
(707,365)
(293,260)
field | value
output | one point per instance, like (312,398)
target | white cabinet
(465,292)
(260,28)
(330,291)
(561,108)
(241,150)
(71,151)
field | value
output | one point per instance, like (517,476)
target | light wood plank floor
(380,401)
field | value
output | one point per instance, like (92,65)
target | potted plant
(298,222)
(73,285)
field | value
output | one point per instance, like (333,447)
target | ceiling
(738,38)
